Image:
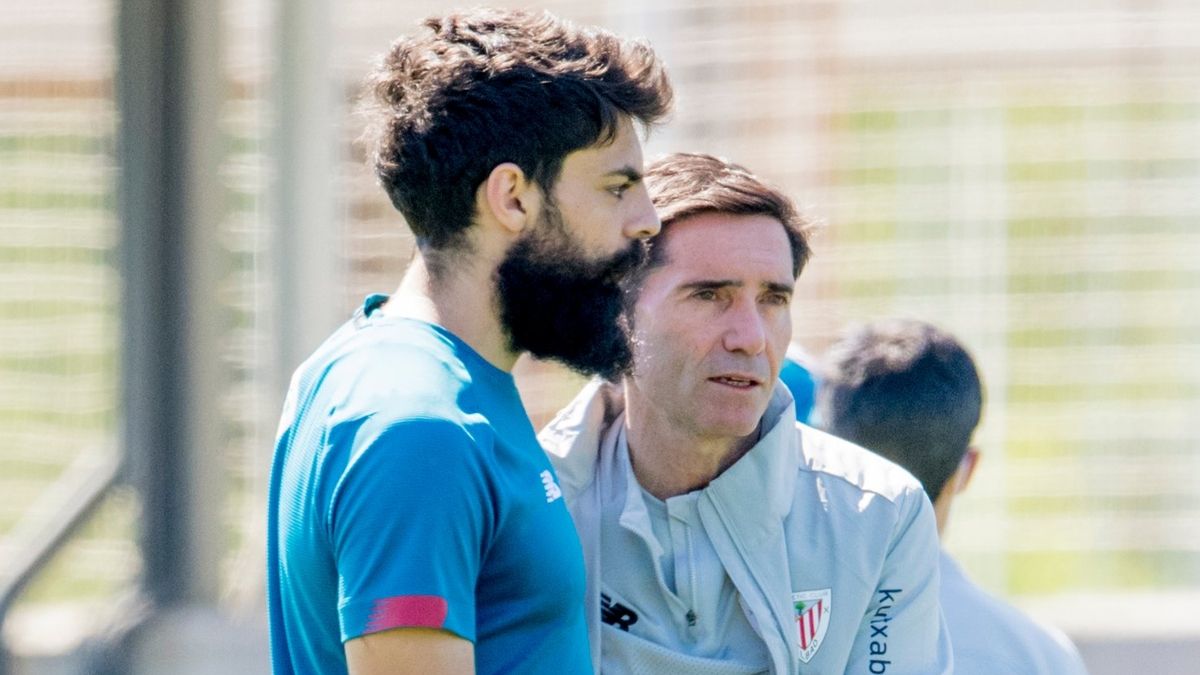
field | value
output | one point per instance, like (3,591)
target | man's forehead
(620,153)
(727,242)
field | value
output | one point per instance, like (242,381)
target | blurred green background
(1026,175)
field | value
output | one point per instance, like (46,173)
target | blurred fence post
(169,92)
(305,251)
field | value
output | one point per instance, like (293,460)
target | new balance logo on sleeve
(616,614)
(552,490)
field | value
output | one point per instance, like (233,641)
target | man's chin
(733,423)
(617,266)
(556,304)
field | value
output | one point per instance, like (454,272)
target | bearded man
(415,525)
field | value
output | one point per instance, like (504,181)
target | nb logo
(616,614)
(552,490)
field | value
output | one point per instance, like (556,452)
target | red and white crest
(812,619)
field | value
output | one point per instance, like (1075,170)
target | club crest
(812,619)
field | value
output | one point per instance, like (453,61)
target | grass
(68,293)
(98,562)
(1056,200)
(1043,572)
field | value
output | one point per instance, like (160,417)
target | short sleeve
(408,523)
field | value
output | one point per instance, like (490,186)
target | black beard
(556,304)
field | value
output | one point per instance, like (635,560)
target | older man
(720,536)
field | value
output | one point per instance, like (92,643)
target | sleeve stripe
(408,611)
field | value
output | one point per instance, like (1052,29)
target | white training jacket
(827,543)
(992,636)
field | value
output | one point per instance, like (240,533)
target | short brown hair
(486,87)
(683,185)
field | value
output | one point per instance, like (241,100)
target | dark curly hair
(486,87)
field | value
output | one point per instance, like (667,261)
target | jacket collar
(768,469)
(574,437)
(751,500)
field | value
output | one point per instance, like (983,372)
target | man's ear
(510,197)
(966,469)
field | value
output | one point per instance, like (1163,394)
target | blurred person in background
(720,535)
(911,392)
(415,524)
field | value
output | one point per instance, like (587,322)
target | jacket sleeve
(903,631)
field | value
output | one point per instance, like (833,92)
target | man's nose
(643,222)
(746,331)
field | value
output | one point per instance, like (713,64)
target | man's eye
(778,299)
(618,191)
(705,294)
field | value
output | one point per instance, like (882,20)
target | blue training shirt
(408,490)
